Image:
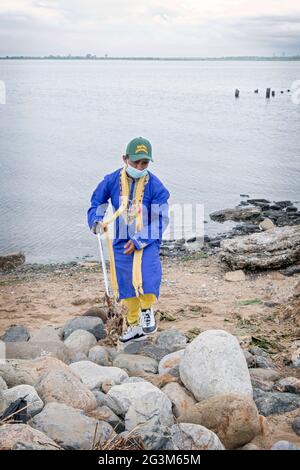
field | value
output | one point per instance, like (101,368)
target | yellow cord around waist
(137,279)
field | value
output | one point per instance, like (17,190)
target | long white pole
(103,265)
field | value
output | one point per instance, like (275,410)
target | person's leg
(147,300)
(133,310)
(147,313)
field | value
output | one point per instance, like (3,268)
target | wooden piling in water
(237,93)
(268,92)
(273,93)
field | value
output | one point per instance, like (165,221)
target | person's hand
(98,227)
(129,247)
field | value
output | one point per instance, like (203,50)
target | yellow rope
(137,279)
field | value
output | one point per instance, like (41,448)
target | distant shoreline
(184,59)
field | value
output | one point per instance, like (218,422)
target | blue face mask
(134,173)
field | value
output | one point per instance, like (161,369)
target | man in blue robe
(146,189)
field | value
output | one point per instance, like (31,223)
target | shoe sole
(150,332)
(140,338)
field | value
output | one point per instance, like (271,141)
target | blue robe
(155,221)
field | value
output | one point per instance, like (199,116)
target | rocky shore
(223,371)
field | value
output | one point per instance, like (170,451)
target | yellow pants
(134,306)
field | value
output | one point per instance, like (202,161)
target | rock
(146,409)
(269,403)
(104,413)
(31,350)
(284,445)
(264,362)
(295,348)
(250,359)
(112,352)
(266,224)
(64,386)
(69,427)
(35,404)
(249,446)
(11,261)
(179,398)
(288,384)
(20,436)
(161,380)
(236,214)
(187,436)
(135,364)
(291,270)
(235,276)
(105,400)
(79,357)
(170,363)
(16,333)
(45,334)
(234,418)
(214,364)
(145,348)
(296,425)
(99,312)
(264,374)
(93,375)
(92,324)
(3,385)
(271,249)
(80,341)
(262,384)
(19,372)
(99,355)
(106,385)
(132,380)
(257,351)
(172,340)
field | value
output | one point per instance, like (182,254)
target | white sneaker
(134,333)
(148,321)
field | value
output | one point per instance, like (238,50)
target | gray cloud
(134,27)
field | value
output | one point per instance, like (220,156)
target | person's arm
(99,203)
(159,219)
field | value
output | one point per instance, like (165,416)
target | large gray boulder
(93,376)
(16,333)
(3,385)
(272,249)
(135,364)
(172,340)
(99,355)
(187,436)
(146,409)
(64,386)
(45,334)
(80,341)
(214,364)
(24,437)
(34,402)
(92,324)
(19,372)
(32,350)
(70,428)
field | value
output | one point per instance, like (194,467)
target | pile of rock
(168,393)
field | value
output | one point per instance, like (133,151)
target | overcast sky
(150,27)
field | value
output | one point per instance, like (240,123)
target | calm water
(67,123)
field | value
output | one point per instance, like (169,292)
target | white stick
(103,265)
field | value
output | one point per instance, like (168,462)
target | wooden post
(237,93)
(268,92)
(256,91)
(273,93)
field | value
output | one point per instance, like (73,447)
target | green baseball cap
(139,148)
